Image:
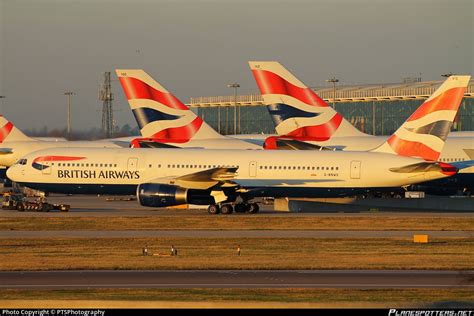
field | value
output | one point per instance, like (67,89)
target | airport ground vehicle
(17,201)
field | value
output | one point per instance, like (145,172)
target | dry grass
(220,253)
(244,222)
(418,297)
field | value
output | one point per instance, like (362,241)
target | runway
(237,279)
(233,234)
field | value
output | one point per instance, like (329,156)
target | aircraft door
(355,169)
(253,169)
(132,164)
(47,166)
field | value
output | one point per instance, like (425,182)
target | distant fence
(366,93)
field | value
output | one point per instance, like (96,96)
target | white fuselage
(106,167)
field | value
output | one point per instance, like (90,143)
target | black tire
(20,207)
(240,208)
(213,209)
(227,209)
(254,208)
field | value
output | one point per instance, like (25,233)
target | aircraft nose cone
(12,173)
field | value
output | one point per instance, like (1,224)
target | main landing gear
(251,208)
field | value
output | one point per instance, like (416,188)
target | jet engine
(161,195)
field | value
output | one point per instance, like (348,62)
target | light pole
(373,118)
(69,94)
(235,86)
(219,119)
(334,81)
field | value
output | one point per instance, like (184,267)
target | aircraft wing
(120,143)
(203,180)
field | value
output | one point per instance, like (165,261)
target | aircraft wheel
(213,209)
(227,209)
(241,208)
(254,208)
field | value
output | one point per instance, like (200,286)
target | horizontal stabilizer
(150,143)
(283,143)
(427,167)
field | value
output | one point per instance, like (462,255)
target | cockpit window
(22,161)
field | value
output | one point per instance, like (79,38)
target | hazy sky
(194,48)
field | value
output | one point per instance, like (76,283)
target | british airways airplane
(224,178)
(299,114)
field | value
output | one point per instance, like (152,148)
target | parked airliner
(165,177)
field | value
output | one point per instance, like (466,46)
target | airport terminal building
(377,109)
